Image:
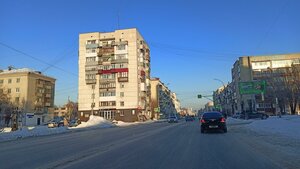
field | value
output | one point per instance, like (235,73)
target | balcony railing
(90,81)
(91,46)
(119,61)
(122,79)
(94,63)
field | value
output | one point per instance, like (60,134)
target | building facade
(31,94)
(114,76)
(163,101)
(259,68)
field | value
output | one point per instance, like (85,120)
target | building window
(122,85)
(8,90)
(121,47)
(90,59)
(93,86)
(107,94)
(18,80)
(123,74)
(121,103)
(133,112)
(17,90)
(9,80)
(17,99)
(91,42)
(121,94)
(1,81)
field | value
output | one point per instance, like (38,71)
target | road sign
(157,109)
(255,87)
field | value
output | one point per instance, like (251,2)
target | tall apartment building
(163,101)
(257,68)
(114,75)
(30,92)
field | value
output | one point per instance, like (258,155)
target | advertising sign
(255,87)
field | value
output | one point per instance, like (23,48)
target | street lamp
(220,81)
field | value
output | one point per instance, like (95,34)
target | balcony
(91,46)
(107,80)
(90,81)
(106,51)
(119,70)
(94,63)
(121,43)
(122,79)
(48,95)
(119,61)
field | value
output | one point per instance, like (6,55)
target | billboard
(255,87)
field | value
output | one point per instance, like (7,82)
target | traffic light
(199,96)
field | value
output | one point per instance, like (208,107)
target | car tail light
(222,120)
(202,121)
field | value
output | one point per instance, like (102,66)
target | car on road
(253,115)
(213,121)
(172,119)
(56,122)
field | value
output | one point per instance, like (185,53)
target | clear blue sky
(191,42)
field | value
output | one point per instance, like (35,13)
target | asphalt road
(153,146)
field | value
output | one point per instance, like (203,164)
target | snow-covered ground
(93,122)
(287,126)
(30,132)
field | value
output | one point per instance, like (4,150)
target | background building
(114,75)
(30,94)
(277,71)
(163,101)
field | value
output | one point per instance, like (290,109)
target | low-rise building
(30,93)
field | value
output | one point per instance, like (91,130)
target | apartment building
(259,68)
(163,101)
(31,94)
(114,75)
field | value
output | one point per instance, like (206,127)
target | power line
(272,24)
(37,59)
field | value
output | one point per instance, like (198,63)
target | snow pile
(287,126)
(233,121)
(30,132)
(95,122)
(124,124)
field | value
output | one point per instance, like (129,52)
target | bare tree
(6,108)
(285,86)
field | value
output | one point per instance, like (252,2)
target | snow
(31,132)
(287,126)
(95,122)
(233,121)
(125,124)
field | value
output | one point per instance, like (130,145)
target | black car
(213,121)
(253,115)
